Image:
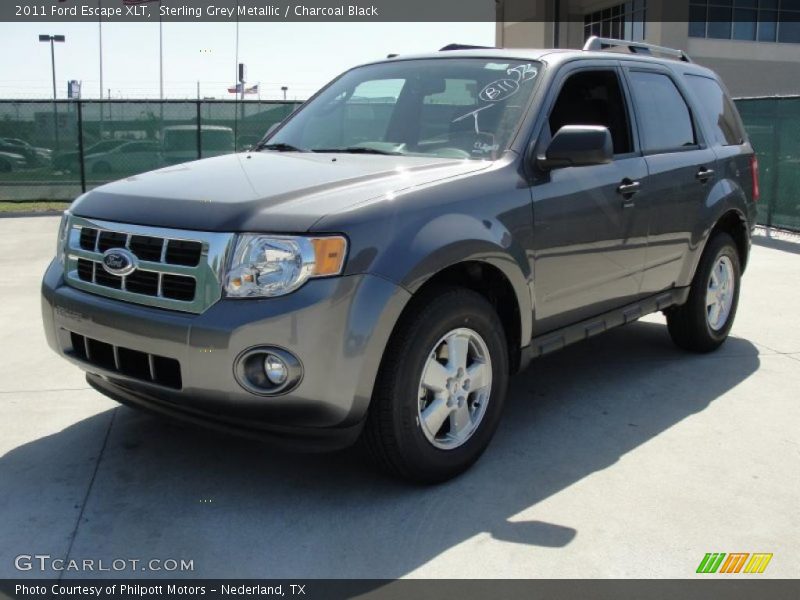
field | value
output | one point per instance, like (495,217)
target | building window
(624,21)
(753,20)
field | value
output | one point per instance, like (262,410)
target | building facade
(753,44)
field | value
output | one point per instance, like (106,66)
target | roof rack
(465,47)
(595,43)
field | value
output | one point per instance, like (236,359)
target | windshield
(454,108)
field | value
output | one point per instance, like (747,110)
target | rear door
(589,226)
(725,132)
(681,171)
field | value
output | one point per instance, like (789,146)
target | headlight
(62,237)
(267,265)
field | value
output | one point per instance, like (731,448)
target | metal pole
(100,51)
(82,162)
(241,109)
(55,106)
(160,53)
(237,42)
(53,62)
(100,47)
(199,133)
(236,79)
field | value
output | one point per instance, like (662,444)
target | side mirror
(578,146)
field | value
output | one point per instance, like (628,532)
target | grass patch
(29,207)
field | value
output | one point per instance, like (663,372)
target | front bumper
(338,328)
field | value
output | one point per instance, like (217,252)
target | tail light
(754,172)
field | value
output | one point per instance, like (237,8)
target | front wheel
(704,322)
(440,390)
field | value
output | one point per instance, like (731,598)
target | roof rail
(595,43)
(465,47)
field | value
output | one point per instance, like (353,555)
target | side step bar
(556,340)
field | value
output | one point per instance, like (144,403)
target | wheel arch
(731,221)
(491,281)
(734,223)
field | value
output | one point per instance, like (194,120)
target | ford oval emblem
(119,262)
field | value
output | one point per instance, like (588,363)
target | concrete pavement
(620,457)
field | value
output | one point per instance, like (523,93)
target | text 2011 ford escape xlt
(419,230)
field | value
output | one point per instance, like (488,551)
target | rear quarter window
(719,108)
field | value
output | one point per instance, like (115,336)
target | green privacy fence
(55,150)
(774,128)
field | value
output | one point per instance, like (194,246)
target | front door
(590,227)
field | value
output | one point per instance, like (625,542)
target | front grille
(153,249)
(150,248)
(111,239)
(182,253)
(143,282)
(175,269)
(175,287)
(133,363)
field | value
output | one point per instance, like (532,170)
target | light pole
(100,56)
(284,89)
(52,39)
(100,46)
(160,55)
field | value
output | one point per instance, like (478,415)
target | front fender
(451,239)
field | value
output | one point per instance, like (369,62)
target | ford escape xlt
(419,230)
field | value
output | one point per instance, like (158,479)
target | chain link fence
(55,150)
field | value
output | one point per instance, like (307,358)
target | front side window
(449,107)
(665,122)
(593,98)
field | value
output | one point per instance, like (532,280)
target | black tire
(688,325)
(393,434)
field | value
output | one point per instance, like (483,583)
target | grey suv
(417,232)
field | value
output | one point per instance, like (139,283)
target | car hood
(262,191)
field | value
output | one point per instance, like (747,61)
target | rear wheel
(704,322)
(441,387)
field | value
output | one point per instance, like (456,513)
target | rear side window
(665,122)
(718,108)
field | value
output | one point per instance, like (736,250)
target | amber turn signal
(329,254)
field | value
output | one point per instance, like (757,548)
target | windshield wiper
(278,147)
(356,150)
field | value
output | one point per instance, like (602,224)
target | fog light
(276,370)
(268,370)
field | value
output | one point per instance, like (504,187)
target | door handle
(628,188)
(704,174)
